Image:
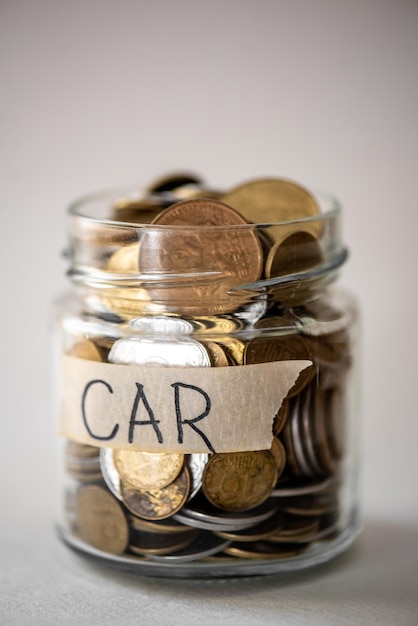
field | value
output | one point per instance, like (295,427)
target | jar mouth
(211,267)
(91,208)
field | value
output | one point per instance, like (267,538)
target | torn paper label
(184,409)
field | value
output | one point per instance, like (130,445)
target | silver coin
(296,439)
(163,352)
(109,472)
(306,416)
(196,463)
(205,545)
(208,514)
(162,325)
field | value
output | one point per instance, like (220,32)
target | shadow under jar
(208,382)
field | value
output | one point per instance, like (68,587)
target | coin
(205,545)
(146,543)
(271,200)
(297,253)
(109,472)
(100,520)
(304,428)
(253,533)
(157,504)
(289,348)
(201,514)
(304,488)
(234,349)
(86,350)
(125,260)
(160,325)
(279,455)
(239,481)
(171,182)
(147,470)
(216,353)
(206,255)
(169,525)
(264,550)
(161,351)
(196,464)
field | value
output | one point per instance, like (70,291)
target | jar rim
(330,208)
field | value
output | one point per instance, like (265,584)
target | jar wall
(205,512)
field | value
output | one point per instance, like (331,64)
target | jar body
(149,482)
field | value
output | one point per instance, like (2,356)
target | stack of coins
(226,297)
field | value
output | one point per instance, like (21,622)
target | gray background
(96,94)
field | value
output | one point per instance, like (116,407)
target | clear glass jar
(208,389)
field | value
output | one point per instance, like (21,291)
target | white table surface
(375,582)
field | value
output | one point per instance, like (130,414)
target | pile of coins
(203,296)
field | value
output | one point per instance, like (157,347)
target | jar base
(317,553)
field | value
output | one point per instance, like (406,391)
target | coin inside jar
(147,470)
(212,256)
(239,481)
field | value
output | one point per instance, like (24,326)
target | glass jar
(208,386)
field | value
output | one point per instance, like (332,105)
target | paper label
(184,409)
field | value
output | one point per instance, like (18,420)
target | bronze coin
(157,504)
(100,520)
(209,255)
(239,481)
(281,417)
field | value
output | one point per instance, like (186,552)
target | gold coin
(270,200)
(235,349)
(216,353)
(291,348)
(297,253)
(86,350)
(239,481)
(208,261)
(279,455)
(125,260)
(147,470)
(100,520)
(156,504)
(131,300)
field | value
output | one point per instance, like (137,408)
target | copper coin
(100,520)
(86,350)
(239,481)
(209,255)
(156,504)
